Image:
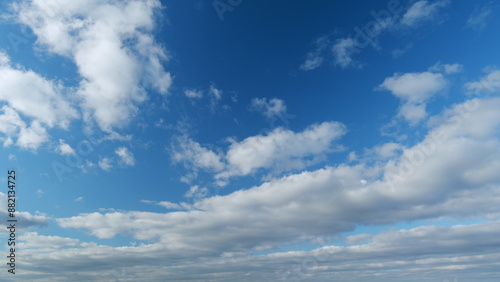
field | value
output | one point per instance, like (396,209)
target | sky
(238,140)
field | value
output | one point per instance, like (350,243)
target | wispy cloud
(422,11)
(126,157)
(343,49)
(105,164)
(479,18)
(193,94)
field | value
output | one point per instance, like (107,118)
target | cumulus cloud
(283,149)
(414,87)
(32,137)
(111,44)
(275,107)
(34,96)
(33,104)
(193,155)
(437,178)
(65,149)
(490,83)
(105,164)
(415,90)
(278,151)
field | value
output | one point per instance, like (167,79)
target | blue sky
(252,140)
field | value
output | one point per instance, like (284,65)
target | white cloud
(216,93)
(215,97)
(193,94)
(12,157)
(313,61)
(32,240)
(112,46)
(85,166)
(32,137)
(414,90)
(446,68)
(193,155)
(282,149)
(385,151)
(438,178)
(65,149)
(422,11)
(479,17)
(34,96)
(79,199)
(34,100)
(166,204)
(39,193)
(279,151)
(413,113)
(343,50)
(488,84)
(105,164)
(415,87)
(196,192)
(126,157)
(10,121)
(275,107)
(436,251)
(169,205)
(25,219)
